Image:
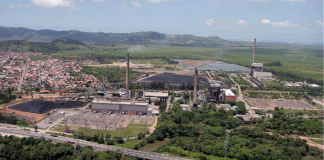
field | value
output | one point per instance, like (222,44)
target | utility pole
(227,142)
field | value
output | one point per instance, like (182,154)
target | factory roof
(123,102)
(228,92)
(257,64)
(262,74)
(156,94)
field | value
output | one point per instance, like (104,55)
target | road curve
(101,147)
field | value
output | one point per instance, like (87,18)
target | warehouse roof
(262,74)
(228,92)
(123,102)
(156,94)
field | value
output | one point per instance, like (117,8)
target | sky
(266,20)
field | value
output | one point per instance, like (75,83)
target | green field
(131,131)
(302,61)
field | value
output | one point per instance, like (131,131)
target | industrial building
(229,95)
(257,74)
(129,108)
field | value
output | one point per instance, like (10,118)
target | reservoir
(211,65)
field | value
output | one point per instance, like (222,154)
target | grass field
(131,131)
(130,144)
(303,61)
(318,141)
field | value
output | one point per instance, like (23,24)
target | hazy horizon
(298,21)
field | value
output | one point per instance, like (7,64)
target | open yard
(131,131)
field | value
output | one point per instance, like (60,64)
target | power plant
(257,74)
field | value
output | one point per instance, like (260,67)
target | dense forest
(283,124)
(13,148)
(207,134)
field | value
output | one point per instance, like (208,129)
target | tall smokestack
(195,85)
(254,48)
(127,76)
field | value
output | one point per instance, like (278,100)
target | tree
(241,110)
(119,140)
(35,127)
(95,138)
(140,135)
(101,139)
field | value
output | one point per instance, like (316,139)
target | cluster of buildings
(18,70)
(300,85)
(11,68)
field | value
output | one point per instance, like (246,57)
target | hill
(43,47)
(11,33)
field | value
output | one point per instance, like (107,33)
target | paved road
(240,97)
(101,147)
(22,78)
(39,76)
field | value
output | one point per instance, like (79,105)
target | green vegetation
(297,126)
(130,131)
(113,74)
(201,134)
(241,81)
(304,62)
(43,47)
(13,148)
(11,119)
(36,58)
(318,141)
(7,96)
(128,144)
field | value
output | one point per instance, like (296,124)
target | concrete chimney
(195,85)
(254,48)
(127,76)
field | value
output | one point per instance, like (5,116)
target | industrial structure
(195,85)
(257,74)
(125,107)
(127,77)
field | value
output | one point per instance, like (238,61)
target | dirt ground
(196,63)
(33,117)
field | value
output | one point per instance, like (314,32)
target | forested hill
(11,33)
(43,47)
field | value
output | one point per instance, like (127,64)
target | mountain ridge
(147,37)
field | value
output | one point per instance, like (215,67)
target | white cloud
(136,4)
(55,3)
(279,24)
(98,0)
(319,24)
(209,22)
(127,8)
(265,21)
(243,22)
